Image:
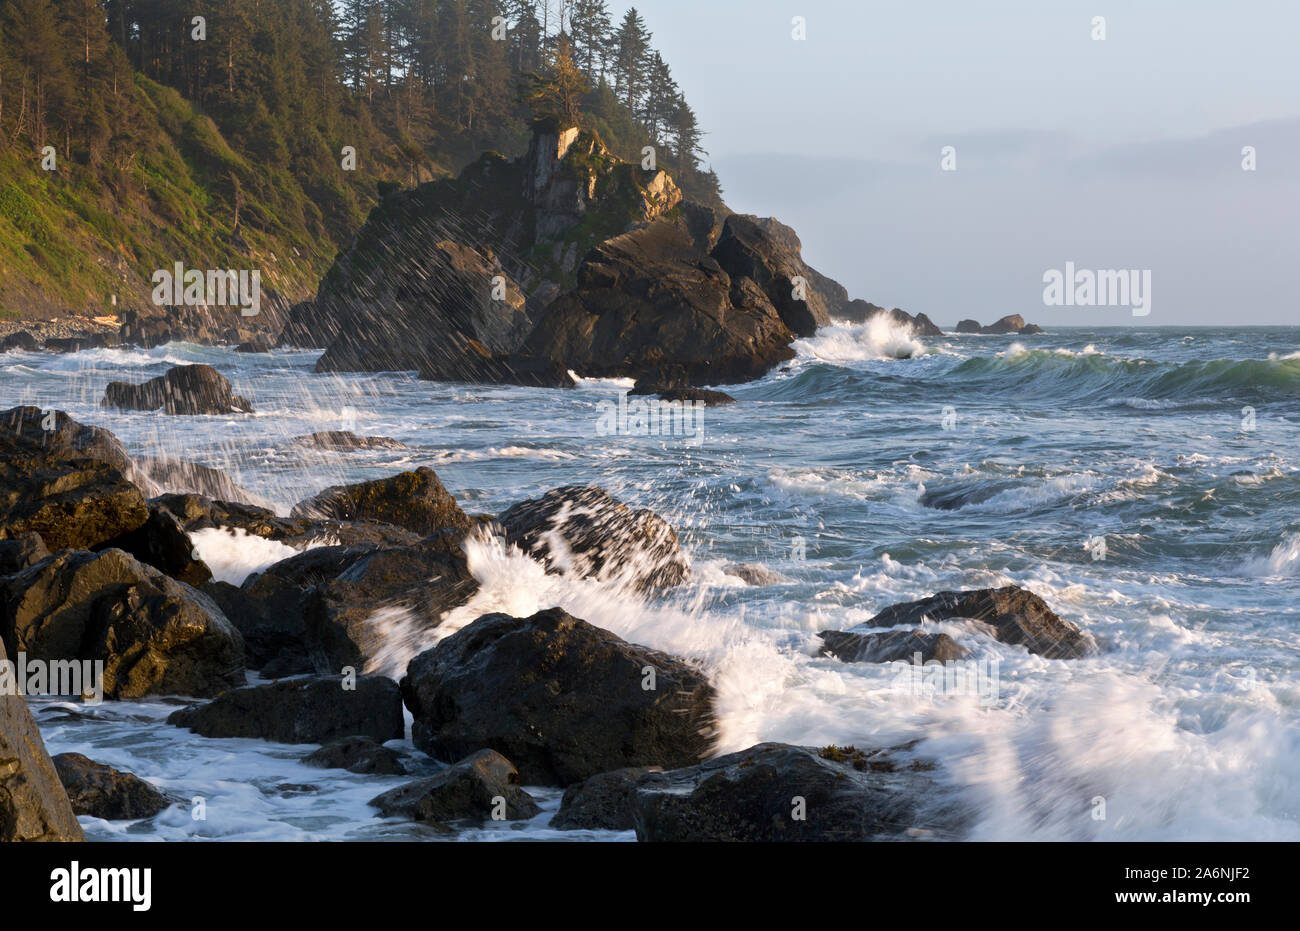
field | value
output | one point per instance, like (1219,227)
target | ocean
(1144,481)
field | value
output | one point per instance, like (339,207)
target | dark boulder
(775,792)
(563,699)
(155,635)
(890,647)
(677,391)
(414,500)
(1030,329)
(1014,615)
(335,440)
(64,480)
(426,579)
(257,346)
(185,389)
(21,341)
(479,786)
(361,755)
(769,253)
(163,543)
(269,609)
(33,803)
(602,537)
(601,803)
(299,711)
(1012,323)
(82,343)
(100,791)
(648,298)
(968,326)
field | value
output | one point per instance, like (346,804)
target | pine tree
(557,95)
(590,28)
(631,48)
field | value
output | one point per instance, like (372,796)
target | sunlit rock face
(449,278)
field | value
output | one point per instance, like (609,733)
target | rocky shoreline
(96,569)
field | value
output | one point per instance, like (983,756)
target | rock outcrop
(564,700)
(1011,613)
(296,711)
(890,647)
(64,480)
(648,298)
(185,389)
(775,792)
(587,531)
(155,636)
(362,755)
(425,579)
(101,791)
(414,500)
(33,803)
(480,786)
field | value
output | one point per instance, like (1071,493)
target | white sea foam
(880,337)
(233,554)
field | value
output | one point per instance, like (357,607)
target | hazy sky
(1117,154)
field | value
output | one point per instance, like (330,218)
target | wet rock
(1013,323)
(1030,329)
(63,344)
(476,787)
(840,794)
(968,326)
(344,439)
(582,707)
(859,311)
(361,755)
(269,609)
(64,480)
(295,711)
(100,791)
(26,549)
(185,389)
(902,645)
(414,500)
(21,341)
(1014,614)
(163,543)
(678,392)
(258,346)
(601,803)
(33,803)
(156,636)
(587,531)
(197,512)
(647,298)
(422,581)
(769,254)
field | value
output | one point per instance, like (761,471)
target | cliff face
(470,255)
